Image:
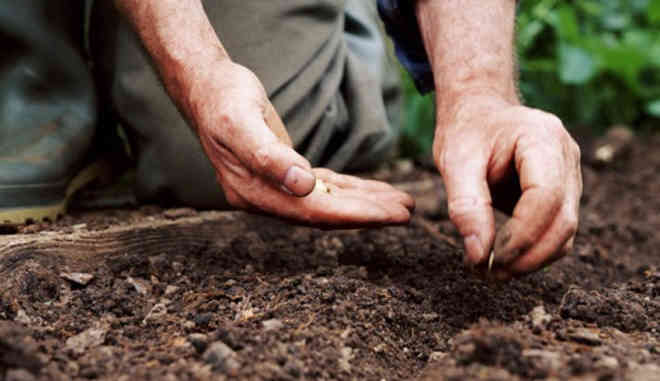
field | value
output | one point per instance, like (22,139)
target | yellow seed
(320,185)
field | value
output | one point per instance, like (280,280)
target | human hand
(491,152)
(258,169)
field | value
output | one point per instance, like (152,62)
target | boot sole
(26,214)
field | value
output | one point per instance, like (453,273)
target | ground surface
(182,295)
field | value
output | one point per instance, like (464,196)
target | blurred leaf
(640,6)
(576,66)
(567,26)
(528,33)
(616,21)
(654,11)
(592,8)
(653,108)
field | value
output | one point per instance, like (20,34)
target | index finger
(541,171)
(557,240)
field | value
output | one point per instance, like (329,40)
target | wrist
(451,106)
(181,41)
(204,94)
(470,48)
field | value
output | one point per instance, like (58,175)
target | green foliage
(417,119)
(592,62)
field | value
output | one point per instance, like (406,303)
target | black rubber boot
(47,109)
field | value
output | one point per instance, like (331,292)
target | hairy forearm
(181,41)
(470,46)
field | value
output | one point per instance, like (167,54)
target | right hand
(492,152)
(258,169)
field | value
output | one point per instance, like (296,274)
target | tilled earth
(252,298)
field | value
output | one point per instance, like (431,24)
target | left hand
(258,169)
(492,152)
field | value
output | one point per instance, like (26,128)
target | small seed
(490,260)
(320,185)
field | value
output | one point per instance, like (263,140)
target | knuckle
(461,208)
(554,121)
(263,158)
(554,194)
(526,238)
(452,163)
(451,157)
(553,126)
(551,121)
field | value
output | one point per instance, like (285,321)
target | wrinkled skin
(259,170)
(242,135)
(523,161)
(490,150)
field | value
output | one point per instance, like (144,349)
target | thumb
(263,145)
(276,125)
(470,209)
(299,179)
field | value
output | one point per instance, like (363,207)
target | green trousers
(322,62)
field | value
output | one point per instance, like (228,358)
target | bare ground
(131,294)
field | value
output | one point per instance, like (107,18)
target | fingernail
(474,249)
(298,181)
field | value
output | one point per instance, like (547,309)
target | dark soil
(276,302)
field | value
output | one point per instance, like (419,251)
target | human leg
(47,109)
(371,88)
